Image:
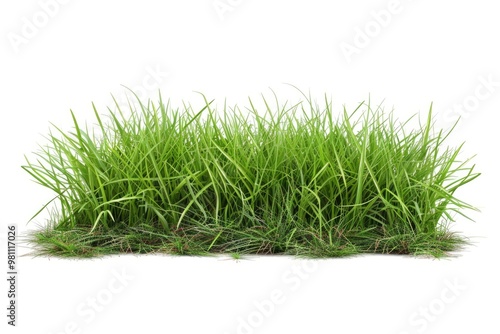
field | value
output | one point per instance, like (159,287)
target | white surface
(84,50)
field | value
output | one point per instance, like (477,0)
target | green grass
(290,179)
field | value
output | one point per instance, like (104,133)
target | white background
(61,55)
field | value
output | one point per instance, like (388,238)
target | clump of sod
(293,180)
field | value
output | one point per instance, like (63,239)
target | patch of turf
(291,179)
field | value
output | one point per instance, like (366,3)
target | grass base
(78,242)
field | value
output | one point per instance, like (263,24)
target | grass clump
(293,179)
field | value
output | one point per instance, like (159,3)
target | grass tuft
(297,180)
